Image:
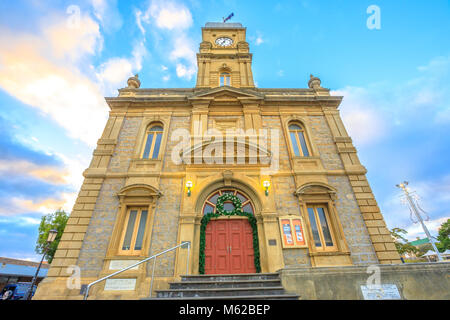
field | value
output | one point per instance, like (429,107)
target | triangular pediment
(228,93)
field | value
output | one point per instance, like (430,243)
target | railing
(86,294)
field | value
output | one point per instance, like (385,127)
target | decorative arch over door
(229,202)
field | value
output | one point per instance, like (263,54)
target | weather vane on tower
(228,18)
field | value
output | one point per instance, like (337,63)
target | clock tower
(224,58)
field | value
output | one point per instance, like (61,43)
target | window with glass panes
(225,79)
(298,140)
(153,142)
(210,203)
(319,221)
(134,230)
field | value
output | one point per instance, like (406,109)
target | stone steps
(229,286)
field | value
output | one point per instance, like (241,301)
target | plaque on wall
(381,292)
(120,284)
(121,264)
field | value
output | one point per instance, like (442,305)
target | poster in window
(298,232)
(292,232)
(287,233)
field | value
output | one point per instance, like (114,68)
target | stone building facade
(168,157)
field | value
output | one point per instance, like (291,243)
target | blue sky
(59,59)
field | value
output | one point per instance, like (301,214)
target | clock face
(224,42)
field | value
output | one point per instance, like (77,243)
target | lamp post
(51,237)
(416,212)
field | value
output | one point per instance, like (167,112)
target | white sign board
(120,284)
(121,264)
(380,292)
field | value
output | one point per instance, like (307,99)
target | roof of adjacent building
(23,268)
(419,242)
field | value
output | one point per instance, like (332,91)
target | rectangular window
(295,144)
(314,229)
(320,227)
(301,137)
(134,231)
(148,146)
(157,145)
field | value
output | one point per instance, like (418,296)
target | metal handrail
(86,294)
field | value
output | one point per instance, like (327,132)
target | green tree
(443,238)
(51,221)
(401,243)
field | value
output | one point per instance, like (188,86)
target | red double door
(229,247)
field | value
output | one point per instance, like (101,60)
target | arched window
(210,203)
(153,142)
(225,79)
(298,140)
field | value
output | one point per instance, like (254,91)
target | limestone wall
(415,281)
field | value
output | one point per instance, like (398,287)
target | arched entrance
(228,234)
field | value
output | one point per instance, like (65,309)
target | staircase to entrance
(227,286)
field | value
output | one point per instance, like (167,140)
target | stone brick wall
(355,230)
(274,122)
(296,257)
(285,200)
(323,140)
(126,141)
(376,226)
(175,123)
(165,225)
(100,228)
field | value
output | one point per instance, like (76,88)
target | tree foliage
(51,221)
(401,243)
(443,238)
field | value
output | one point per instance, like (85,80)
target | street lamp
(266,185)
(189,187)
(51,237)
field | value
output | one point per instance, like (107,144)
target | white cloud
(170,15)
(106,11)
(53,175)
(115,71)
(184,71)
(259,40)
(370,113)
(70,42)
(113,74)
(42,71)
(416,231)
(174,19)
(365,124)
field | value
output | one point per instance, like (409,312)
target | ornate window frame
(151,152)
(140,196)
(306,134)
(138,163)
(321,194)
